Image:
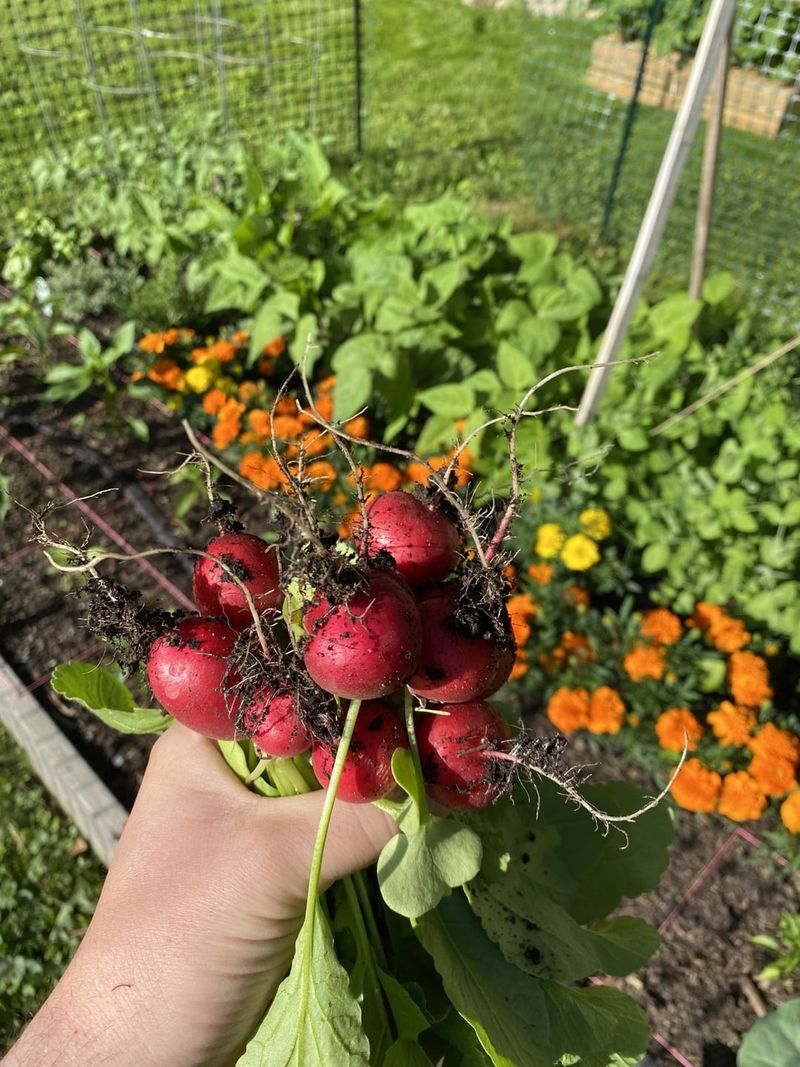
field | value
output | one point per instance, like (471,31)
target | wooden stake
(708,176)
(715,33)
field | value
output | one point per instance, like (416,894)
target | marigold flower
(596,523)
(229,423)
(214,401)
(248,391)
(287,427)
(224,351)
(510,575)
(748,678)
(266,367)
(673,724)
(549,539)
(324,406)
(576,645)
(153,343)
(327,385)
(732,725)
(357,427)
(137,375)
(349,523)
(420,472)
(274,348)
(774,743)
(261,470)
(606,711)
(696,788)
(661,626)
(321,474)
(167,373)
(774,774)
(725,633)
(644,661)
(199,379)
(742,798)
(521,608)
(315,442)
(520,667)
(568,709)
(580,552)
(241,337)
(790,812)
(541,573)
(578,595)
(381,478)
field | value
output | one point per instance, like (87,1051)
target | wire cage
(89,66)
(603,83)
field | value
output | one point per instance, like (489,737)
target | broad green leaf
(367,350)
(595,1024)
(655,557)
(444,279)
(305,348)
(718,287)
(675,314)
(774,1039)
(416,870)
(514,368)
(633,440)
(352,393)
(122,339)
(409,1018)
(237,282)
(456,400)
(314,1021)
(505,1007)
(533,248)
(405,1053)
(538,337)
(267,325)
(103,692)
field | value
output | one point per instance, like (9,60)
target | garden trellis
(94,65)
(594,142)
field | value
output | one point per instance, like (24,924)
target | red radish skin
(367,647)
(252,560)
(186,669)
(367,771)
(453,750)
(423,543)
(273,725)
(455,668)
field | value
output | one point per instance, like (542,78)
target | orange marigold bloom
(696,788)
(247,391)
(287,427)
(327,385)
(522,604)
(229,423)
(577,645)
(153,342)
(321,474)
(315,442)
(742,797)
(137,375)
(287,405)
(661,626)
(167,373)
(671,725)
(214,401)
(606,711)
(260,422)
(261,470)
(324,406)
(773,742)
(510,574)
(241,337)
(266,367)
(748,678)
(274,348)
(732,725)
(382,478)
(568,709)
(644,661)
(541,573)
(790,812)
(349,523)
(774,774)
(725,633)
(357,427)
(520,667)
(224,351)
(578,595)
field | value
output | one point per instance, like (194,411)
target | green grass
(48,889)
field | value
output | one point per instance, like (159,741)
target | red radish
(423,542)
(368,646)
(453,751)
(367,772)
(251,560)
(456,667)
(272,722)
(186,669)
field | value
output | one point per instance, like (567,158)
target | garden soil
(699,989)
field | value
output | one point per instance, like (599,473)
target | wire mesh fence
(603,82)
(90,66)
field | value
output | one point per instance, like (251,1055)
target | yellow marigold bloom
(790,812)
(661,626)
(596,523)
(580,552)
(199,379)
(644,662)
(771,741)
(568,709)
(774,774)
(549,539)
(742,798)
(748,678)
(541,573)
(673,724)
(606,711)
(696,788)
(732,725)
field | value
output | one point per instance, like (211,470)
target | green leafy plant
(773,1039)
(785,946)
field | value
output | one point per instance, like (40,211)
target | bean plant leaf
(774,1039)
(596,1024)
(103,691)
(314,1020)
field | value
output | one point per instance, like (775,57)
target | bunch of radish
(391,624)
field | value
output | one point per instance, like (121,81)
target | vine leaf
(314,1020)
(103,691)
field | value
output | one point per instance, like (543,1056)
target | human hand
(196,924)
